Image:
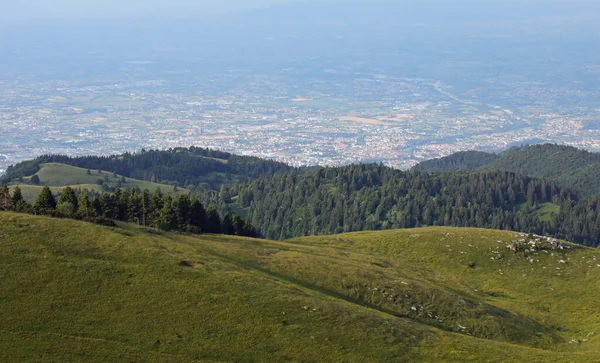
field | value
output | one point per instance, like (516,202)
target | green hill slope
(192,168)
(73,291)
(58,176)
(568,166)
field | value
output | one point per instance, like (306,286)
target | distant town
(351,118)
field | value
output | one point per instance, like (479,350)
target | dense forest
(184,213)
(193,168)
(460,161)
(373,197)
(283,202)
(569,167)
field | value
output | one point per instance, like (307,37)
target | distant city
(305,85)
(356,118)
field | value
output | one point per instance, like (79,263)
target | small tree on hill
(227,226)
(67,202)
(17,196)
(45,202)
(84,208)
(35,180)
(167,220)
(18,202)
(214,220)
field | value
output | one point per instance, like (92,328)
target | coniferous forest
(374,197)
(284,202)
(182,213)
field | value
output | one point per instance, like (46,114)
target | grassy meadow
(73,291)
(58,176)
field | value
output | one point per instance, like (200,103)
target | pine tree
(67,202)
(134,207)
(44,203)
(145,207)
(17,197)
(214,220)
(106,204)
(18,202)
(182,209)
(227,226)
(167,220)
(197,215)
(156,205)
(84,209)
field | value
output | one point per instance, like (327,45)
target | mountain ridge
(568,166)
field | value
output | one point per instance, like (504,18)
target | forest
(374,197)
(163,212)
(568,166)
(192,168)
(279,201)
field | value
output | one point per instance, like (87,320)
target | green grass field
(72,291)
(544,211)
(58,176)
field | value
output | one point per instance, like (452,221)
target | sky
(26,10)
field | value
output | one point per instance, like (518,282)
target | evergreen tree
(213,219)
(134,207)
(44,203)
(17,197)
(182,209)
(18,202)
(67,202)
(198,218)
(145,207)
(227,226)
(84,208)
(168,217)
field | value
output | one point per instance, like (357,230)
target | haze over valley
(307,83)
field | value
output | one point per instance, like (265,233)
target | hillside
(57,176)
(568,166)
(75,291)
(460,161)
(192,168)
(374,197)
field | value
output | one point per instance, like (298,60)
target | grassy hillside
(74,291)
(192,168)
(58,176)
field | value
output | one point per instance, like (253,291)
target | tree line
(157,210)
(192,168)
(374,197)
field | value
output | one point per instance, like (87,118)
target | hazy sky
(22,10)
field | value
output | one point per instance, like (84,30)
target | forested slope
(567,166)
(460,161)
(194,168)
(373,197)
